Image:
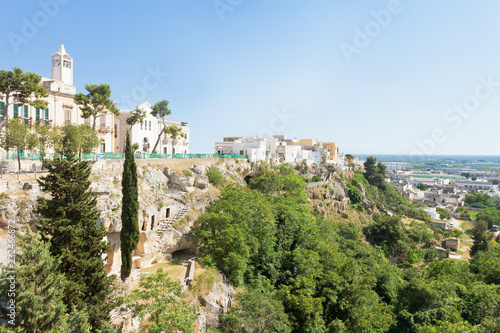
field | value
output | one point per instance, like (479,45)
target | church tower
(62,66)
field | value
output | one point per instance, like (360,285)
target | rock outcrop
(214,304)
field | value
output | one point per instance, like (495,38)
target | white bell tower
(62,66)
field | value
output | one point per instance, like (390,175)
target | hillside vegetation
(301,271)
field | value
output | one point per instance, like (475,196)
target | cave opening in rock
(247,178)
(183,254)
(145,221)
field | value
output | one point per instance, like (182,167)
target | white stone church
(61,111)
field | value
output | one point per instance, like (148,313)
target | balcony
(104,129)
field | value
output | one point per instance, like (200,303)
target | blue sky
(378,77)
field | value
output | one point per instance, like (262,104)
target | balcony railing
(104,129)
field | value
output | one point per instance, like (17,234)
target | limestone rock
(153,176)
(217,302)
(198,169)
(179,182)
(8,212)
(201,182)
(175,240)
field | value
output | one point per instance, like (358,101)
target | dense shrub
(215,177)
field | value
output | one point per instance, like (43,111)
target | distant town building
(473,185)
(395,166)
(278,149)
(432,212)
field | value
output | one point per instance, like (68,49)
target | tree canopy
(21,87)
(96,103)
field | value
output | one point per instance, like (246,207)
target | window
(56,62)
(47,114)
(16,110)
(67,64)
(37,115)
(116,130)
(141,125)
(2,108)
(26,111)
(67,112)
(87,121)
(150,125)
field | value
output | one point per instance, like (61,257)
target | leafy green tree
(17,135)
(442,326)
(481,301)
(39,286)
(375,172)
(486,265)
(160,111)
(451,270)
(79,139)
(350,301)
(48,138)
(354,194)
(387,231)
(159,297)
(137,116)
(237,231)
(479,200)
(443,213)
(71,225)
(303,306)
(96,103)
(481,237)
(491,215)
(130,234)
(173,132)
(20,87)
(282,180)
(422,186)
(256,310)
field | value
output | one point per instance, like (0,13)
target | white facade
(277,149)
(432,212)
(473,185)
(62,66)
(146,133)
(61,109)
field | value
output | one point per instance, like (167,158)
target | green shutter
(25,111)
(37,115)
(2,108)
(16,110)
(47,114)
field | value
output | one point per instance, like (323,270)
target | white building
(473,185)
(432,212)
(146,133)
(278,149)
(61,109)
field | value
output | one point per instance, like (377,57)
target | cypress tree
(129,235)
(71,226)
(39,287)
